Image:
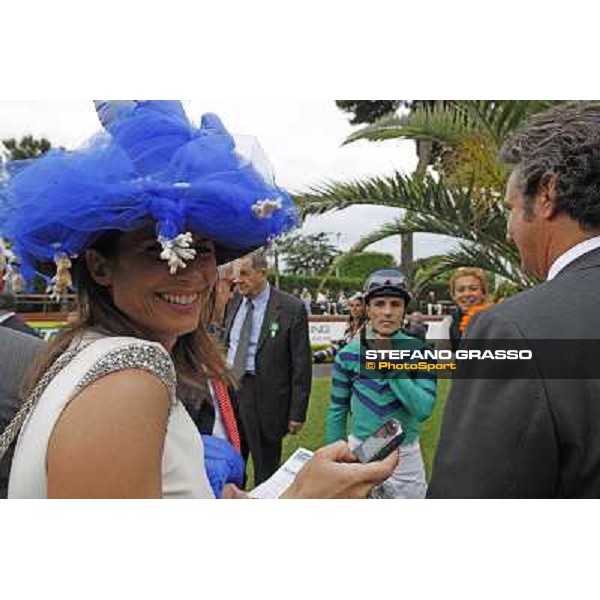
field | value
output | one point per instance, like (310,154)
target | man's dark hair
(565,142)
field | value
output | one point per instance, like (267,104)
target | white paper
(283,477)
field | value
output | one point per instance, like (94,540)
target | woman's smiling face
(167,306)
(468,291)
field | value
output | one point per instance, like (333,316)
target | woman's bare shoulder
(108,441)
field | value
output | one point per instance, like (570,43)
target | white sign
(325,332)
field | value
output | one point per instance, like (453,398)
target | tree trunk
(424,149)
(406,257)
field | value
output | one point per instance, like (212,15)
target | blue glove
(223,464)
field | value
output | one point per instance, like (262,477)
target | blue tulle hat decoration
(150,164)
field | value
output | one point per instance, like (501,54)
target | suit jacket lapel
(271,316)
(230,316)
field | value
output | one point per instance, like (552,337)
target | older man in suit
(266,334)
(535,435)
(17,352)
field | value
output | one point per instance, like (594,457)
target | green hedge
(334,284)
(360,265)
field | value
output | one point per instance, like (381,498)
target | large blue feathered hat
(150,164)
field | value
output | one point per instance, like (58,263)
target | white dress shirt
(260,302)
(571,254)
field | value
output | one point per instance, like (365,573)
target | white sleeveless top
(183,473)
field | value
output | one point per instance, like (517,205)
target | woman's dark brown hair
(196,355)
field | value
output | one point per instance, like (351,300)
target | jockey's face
(386,314)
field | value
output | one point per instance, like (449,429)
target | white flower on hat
(263,209)
(177,251)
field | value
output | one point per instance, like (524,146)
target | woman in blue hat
(139,218)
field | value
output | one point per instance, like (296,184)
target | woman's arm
(108,442)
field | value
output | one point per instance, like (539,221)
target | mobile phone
(380,444)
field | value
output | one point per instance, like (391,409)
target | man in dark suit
(538,436)
(266,335)
(17,352)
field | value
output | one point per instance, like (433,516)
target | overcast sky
(302,139)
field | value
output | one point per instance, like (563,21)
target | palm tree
(461,198)
(431,207)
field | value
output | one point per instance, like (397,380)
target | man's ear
(99,267)
(547,195)
(404,311)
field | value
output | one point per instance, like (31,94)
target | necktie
(241,352)
(227,413)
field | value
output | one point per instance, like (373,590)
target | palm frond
(497,118)
(384,128)
(430,206)
(477,256)
(383,232)
(471,256)
(332,196)
(449,210)
(444,124)
(397,190)
(450,122)
(483,235)
(427,269)
(481,247)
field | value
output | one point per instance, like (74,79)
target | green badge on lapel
(274,328)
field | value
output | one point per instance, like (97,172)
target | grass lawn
(313,433)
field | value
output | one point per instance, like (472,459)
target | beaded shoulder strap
(134,355)
(11,432)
